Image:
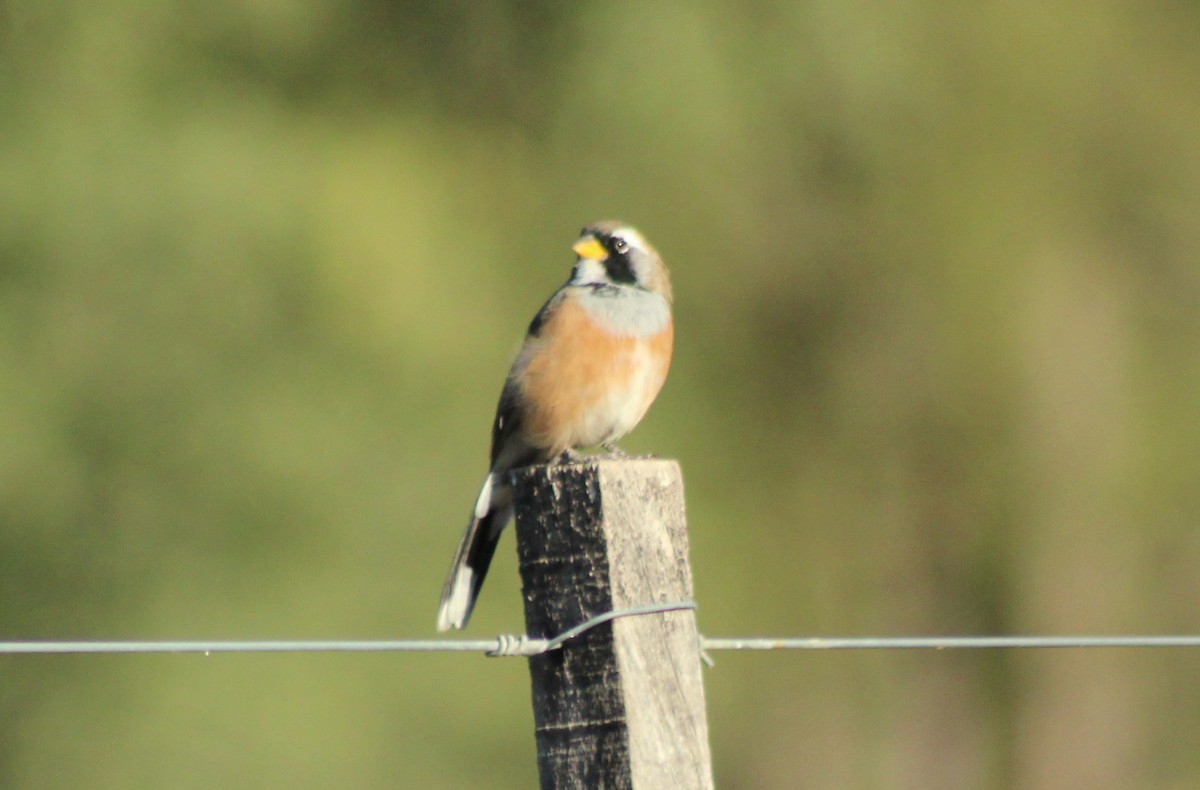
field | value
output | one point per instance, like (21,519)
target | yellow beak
(588,247)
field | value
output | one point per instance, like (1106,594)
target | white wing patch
(484,503)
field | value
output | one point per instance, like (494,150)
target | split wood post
(621,705)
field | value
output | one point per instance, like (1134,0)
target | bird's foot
(568,456)
(614,451)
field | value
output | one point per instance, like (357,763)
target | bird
(594,358)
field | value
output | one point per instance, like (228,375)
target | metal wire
(500,646)
(525,646)
(948,642)
(330,646)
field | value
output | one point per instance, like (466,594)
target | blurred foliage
(263,264)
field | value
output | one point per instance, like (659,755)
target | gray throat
(627,311)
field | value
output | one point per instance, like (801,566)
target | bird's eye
(620,245)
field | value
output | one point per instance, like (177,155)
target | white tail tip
(456,607)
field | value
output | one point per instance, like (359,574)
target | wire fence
(497,646)
(525,646)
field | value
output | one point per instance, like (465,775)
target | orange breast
(582,385)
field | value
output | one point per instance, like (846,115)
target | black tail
(474,555)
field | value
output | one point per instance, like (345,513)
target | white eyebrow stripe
(630,235)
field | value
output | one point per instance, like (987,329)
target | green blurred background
(937,268)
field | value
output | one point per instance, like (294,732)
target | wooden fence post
(622,705)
